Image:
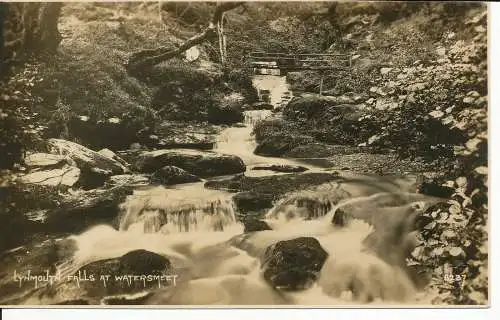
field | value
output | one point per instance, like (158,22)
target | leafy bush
(20,128)
(442,112)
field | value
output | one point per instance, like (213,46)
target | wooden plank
(298,54)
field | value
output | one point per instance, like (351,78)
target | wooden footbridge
(281,63)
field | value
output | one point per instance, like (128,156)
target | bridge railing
(310,61)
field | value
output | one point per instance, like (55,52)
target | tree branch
(146,59)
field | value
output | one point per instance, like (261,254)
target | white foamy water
(185,208)
(277,86)
(197,229)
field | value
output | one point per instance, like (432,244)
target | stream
(216,263)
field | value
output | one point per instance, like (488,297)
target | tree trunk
(146,59)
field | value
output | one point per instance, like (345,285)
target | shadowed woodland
(101,101)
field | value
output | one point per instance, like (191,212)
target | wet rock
(260,106)
(131,180)
(138,263)
(86,209)
(274,186)
(278,144)
(306,205)
(252,201)
(340,218)
(65,176)
(203,164)
(293,264)
(254,225)
(170,175)
(281,168)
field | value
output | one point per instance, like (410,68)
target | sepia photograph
(254,154)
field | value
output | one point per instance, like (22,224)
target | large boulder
(134,272)
(278,144)
(169,175)
(254,225)
(320,108)
(200,163)
(227,110)
(293,264)
(84,157)
(86,209)
(252,202)
(95,167)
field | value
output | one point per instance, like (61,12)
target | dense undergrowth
(421,91)
(89,97)
(418,86)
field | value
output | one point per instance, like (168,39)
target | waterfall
(185,209)
(254,116)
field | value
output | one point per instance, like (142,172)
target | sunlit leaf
(436,114)
(430,225)
(482,170)
(461,181)
(456,251)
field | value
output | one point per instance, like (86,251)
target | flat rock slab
(41,160)
(85,158)
(199,163)
(281,168)
(65,176)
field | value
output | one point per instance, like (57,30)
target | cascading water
(188,208)
(197,229)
